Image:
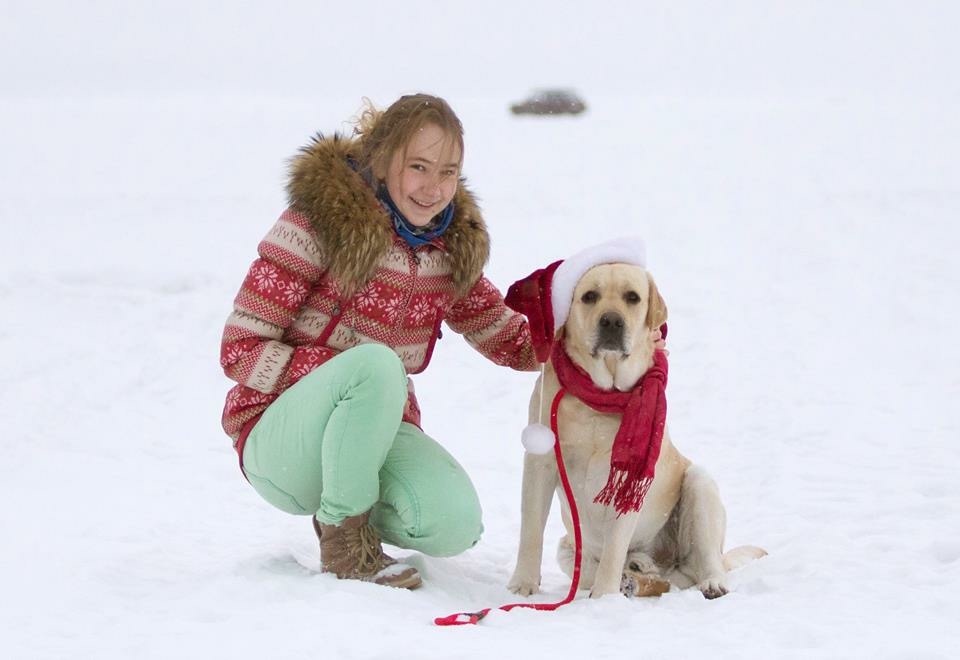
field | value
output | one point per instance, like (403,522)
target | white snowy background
(793,166)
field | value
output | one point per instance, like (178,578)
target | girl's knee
(451,531)
(376,357)
(429,502)
(439,529)
(378,366)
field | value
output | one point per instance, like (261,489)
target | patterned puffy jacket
(332,273)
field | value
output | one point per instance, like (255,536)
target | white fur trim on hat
(628,250)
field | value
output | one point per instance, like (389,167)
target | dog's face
(614,309)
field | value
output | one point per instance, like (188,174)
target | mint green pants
(333,446)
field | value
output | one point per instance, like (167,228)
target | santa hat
(545,297)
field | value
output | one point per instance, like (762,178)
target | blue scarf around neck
(413,235)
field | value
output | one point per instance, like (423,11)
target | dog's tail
(741,556)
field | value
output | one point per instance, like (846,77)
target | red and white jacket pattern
(306,298)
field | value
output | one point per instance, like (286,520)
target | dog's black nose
(611,320)
(610,331)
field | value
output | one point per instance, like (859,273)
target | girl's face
(422,178)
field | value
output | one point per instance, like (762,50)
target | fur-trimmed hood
(355,231)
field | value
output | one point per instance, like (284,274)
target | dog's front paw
(524,586)
(713,587)
(602,588)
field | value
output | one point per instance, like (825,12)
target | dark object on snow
(550,102)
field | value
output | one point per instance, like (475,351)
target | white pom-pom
(537,439)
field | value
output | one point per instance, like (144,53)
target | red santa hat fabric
(545,296)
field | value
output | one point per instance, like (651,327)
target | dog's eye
(631,297)
(590,297)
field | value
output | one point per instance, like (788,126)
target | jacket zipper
(338,311)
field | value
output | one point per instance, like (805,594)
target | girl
(381,242)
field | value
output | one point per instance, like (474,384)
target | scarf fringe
(625,490)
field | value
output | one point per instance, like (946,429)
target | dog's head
(608,330)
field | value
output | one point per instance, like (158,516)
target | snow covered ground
(793,170)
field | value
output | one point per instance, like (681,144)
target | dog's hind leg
(701,530)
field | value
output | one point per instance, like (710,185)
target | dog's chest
(586,439)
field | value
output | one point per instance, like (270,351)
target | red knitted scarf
(637,444)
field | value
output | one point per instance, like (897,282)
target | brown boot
(352,551)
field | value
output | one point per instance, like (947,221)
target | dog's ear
(656,309)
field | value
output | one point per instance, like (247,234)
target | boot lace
(369,549)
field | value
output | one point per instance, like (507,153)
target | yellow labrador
(677,535)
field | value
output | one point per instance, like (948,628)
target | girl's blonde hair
(381,133)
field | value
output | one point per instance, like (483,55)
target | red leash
(464,618)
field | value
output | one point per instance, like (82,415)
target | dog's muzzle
(610,330)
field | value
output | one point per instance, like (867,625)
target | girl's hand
(659,343)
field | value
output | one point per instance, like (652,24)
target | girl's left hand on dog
(659,343)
